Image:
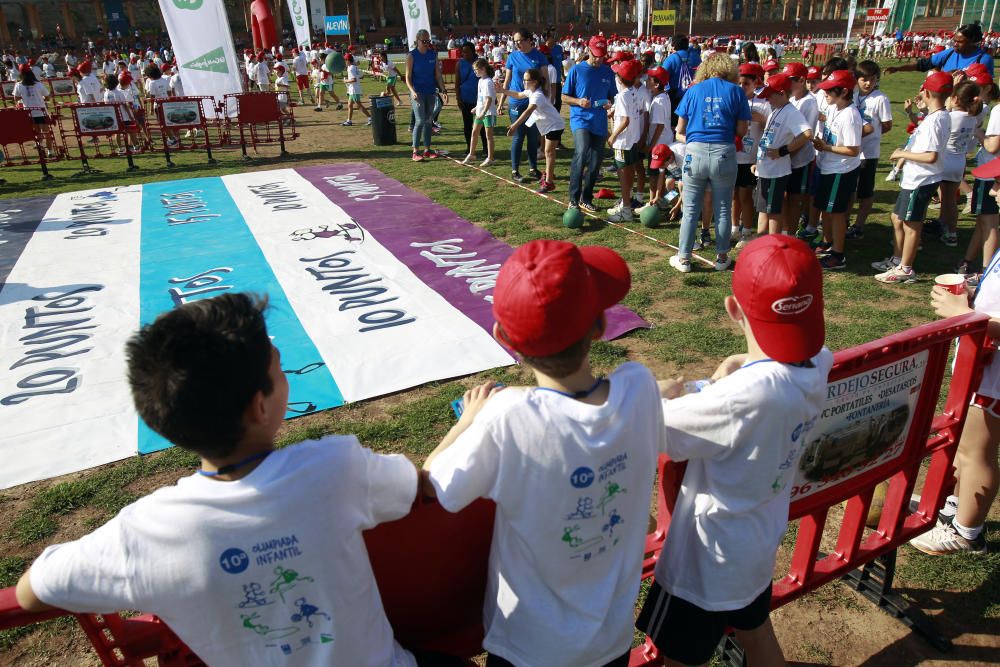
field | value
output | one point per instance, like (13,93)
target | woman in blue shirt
(466,85)
(713,112)
(966,51)
(526,57)
(423,78)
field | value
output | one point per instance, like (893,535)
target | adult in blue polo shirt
(423,78)
(520,61)
(466,93)
(673,64)
(967,50)
(589,90)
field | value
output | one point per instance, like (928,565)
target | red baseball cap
(776,83)
(752,69)
(840,78)
(981,79)
(771,66)
(796,69)
(598,46)
(778,283)
(550,293)
(814,74)
(279,66)
(976,68)
(660,74)
(989,170)
(939,82)
(628,70)
(660,154)
(125,79)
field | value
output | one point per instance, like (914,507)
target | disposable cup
(953,282)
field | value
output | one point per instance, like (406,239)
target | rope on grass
(587,213)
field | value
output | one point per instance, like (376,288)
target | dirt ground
(833,626)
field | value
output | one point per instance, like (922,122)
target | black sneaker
(535,175)
(833,262)
(516,177)
(588,207)
(706,239)
(636,204)
(823,249)
(855,232)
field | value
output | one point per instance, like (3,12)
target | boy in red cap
(626,135)
(922,172)
(569,463)
(741,436)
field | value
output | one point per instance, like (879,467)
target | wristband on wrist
(783,151)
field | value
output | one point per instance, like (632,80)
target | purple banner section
(454,257)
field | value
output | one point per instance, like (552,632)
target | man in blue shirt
(589,90)
(675,66)
(965,52)
(526,57)
(466,93)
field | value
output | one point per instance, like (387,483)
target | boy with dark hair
(876,113)
(741,436)
(258,558)
(569,463)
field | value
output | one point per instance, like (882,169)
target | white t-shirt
(783,125)
(741,437)
(960,141)
(33,97)
(810,111)
(90,89)
(281,86)
(261,74)
(988,301)
(572,483)
(659,114)
(115,96)
(749,153)
(300,64)
(875,110)
(545,117)
(627,106)
(353,88)
(842,128)
(992,130)
(240,570)
(486,94)
(176,85)
(158,88)
(930,135)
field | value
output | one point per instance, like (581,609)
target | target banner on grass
(373,289)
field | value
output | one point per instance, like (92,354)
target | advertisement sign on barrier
(864,424)
(62,87)
(7,87)
(97,119)
(337,25)
(182,113)
(664,17)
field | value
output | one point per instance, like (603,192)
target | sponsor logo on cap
(792,305)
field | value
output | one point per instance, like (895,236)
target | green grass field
(690,331)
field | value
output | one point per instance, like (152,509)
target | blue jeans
(704,165)
(588,151)
(517,142)
(423,114)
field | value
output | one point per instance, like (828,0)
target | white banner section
(300,20)
(415,13)
(203,44)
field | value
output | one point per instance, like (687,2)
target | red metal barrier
(17,130)
(92,121)
(449,552)
(258,118)
(188,113)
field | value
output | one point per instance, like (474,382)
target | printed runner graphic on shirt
(373,289)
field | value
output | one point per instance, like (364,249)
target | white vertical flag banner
(640,15)
(850,23)
(203,45)
(415,12)
(300,19)
(880,27)
(317,10)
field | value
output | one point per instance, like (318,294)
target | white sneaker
(681,264)
(623,214)
(723,264)
(884,265)
(468,159)
(746,238)
(897,276)
(943,539)
(892,175)
(486,163)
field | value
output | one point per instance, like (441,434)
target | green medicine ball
(573,218)
(335,63)
(650,216)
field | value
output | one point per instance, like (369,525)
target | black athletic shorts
(689,634)
(798,181)
(866,178)
(497,661)
(745,177)
(772,194)
(834,191)
(911,205)
(983,203)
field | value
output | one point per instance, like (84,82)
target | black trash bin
(383,120)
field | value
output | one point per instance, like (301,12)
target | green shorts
(326,86)
(390,81)
(485,121)
(626,157)
(354,98)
